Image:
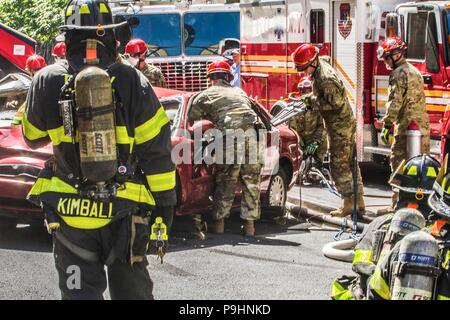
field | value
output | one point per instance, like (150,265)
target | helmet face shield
(439,201)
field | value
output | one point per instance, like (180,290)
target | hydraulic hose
(340,250)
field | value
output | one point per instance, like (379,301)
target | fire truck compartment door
(345,57)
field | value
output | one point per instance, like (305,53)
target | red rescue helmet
(219,66)
(59,49)
(304,55)
(34,63)
(136,47)
(391,46)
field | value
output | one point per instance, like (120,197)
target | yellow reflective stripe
(85,222)
(338,292)
(162,181)
(30,131)
(412,171)
(103,8)
(362,256)
(442,297)
(69,11)
(122,137)
(378,285)
(431,172)
(137,193)
(152,127)
(57,135)
(445,263)
(84,9)
(54,184)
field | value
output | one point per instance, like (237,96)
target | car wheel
(7,224)
(275,202)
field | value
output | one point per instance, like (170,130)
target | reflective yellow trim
(57,135)
(54,184)
(84,9)
(137,193)
(152,127)
(69,11)
(431,172)
(103,8)
(162,181)
(446,263)
(338,292)
(442,297)
(122,137)
(85,222)
(30,131)
(362,256)
(412,171)
(378,284)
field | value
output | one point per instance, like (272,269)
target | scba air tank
(96,124)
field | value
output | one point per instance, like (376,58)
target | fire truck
(349,32)
(183,36)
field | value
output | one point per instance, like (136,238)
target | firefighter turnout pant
(81,255)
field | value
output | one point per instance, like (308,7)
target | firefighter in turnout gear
(111,166)
(406,104)
(330,99)
(309,127)
(429,279)
(135,53)
(415,182)
(229,108)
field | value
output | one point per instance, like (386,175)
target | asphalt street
(281,262)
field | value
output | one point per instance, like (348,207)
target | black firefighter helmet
(439,201)
(415,179)
(89,33)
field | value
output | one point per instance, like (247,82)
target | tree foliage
(38,19)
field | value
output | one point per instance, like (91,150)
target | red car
(19,165)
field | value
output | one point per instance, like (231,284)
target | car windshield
(203,31)
(162,32)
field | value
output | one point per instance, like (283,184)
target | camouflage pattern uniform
(154,75)
(229,108)
(406,104)
(310,128)
(330,99)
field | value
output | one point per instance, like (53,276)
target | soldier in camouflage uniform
(309,127)
(406,104)
(330,99)
(230,109)
(136,51)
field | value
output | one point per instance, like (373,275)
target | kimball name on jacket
(85,208)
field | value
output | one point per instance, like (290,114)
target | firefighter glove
(312,148)
(385,134)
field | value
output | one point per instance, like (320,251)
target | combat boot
(345,209)
(218,226)
(391,208)
(249,228)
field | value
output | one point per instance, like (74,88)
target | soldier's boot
(391,208)
(345,209)
(249,228)
(218,226)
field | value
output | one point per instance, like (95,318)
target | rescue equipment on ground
(417,268)
(404,221)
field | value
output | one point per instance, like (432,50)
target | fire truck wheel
(7,224)
(276,195)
